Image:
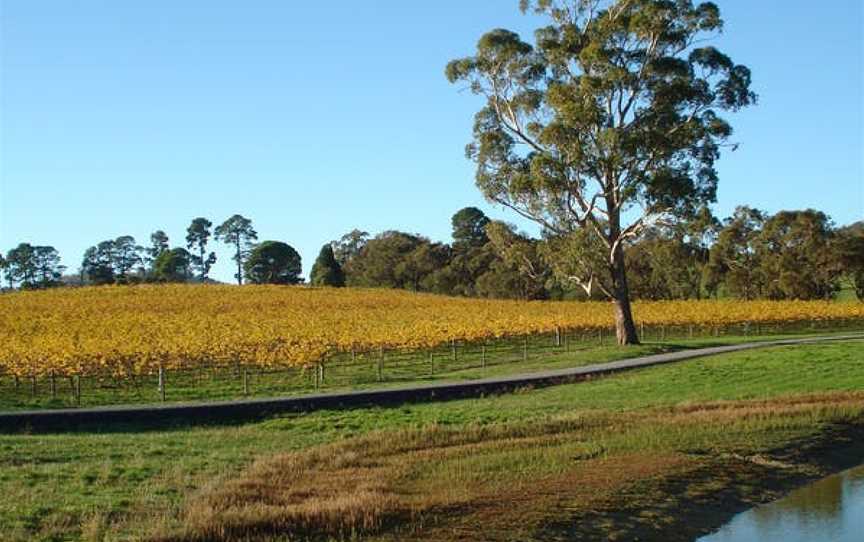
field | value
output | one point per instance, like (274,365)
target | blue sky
(314,118)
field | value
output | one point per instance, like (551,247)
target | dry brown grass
(483,480)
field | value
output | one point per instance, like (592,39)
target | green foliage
(97,264)
(850,245)
(735,261)
(791,255)
(31,267)
(174,265)
(519,272)
(197,236)
(469,227)
(326,271)
(126,254)
(237,231)
(349,246)
(471,254)
(158,245)
(113,261)
(577,260)
(395,259)
(799,257)
(273,262)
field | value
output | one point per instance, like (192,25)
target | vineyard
(137,330)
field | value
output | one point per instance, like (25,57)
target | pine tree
(327,271)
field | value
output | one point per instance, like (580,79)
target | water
(830,510)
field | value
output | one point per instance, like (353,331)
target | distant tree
(112,261)
(158,245)
(348,246)
(97,265)
(467,263)
(469,227)
(238,232)
(197,236)
(174,265)
(734,261)
(386,261)
(518,254)
(851,255)
(32,266)
(4,266)
(665,265)
(48,267)
(126,256)
(273,262)
(615,113)
(326,271)
(503,281)
(668,262)
(471,254)
(798,256)
(417,270)
(21,265)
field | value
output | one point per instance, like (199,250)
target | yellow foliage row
(136,329)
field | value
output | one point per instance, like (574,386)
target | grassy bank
(623,454)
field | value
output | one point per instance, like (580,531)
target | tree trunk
(202,250)
(239,268)
(625,327)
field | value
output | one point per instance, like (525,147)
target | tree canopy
(238,232)
(197,236)
(326,271)
(173,265)
(273,262)
(32,267)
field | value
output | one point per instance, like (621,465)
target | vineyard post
(16,382)
(53,385)
(483,355)
(557,336)
(245,380)
(566,342)
(380,364)
(161,383)
(453,346)
(431,362)
(321,371)
(78,390)
(663,333)
(642,330)
(525,349)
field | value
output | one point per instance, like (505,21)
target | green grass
(502,358)
(57,486)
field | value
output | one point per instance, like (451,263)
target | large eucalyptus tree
(608,123)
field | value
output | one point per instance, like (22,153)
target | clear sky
(314,118)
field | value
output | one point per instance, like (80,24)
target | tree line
(749,255)
(124,261)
